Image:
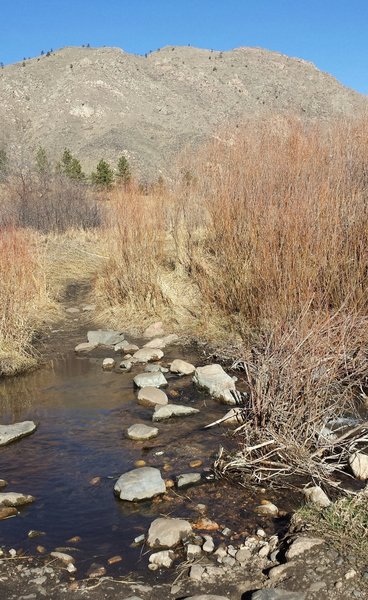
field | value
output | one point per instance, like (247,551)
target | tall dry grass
(23,296)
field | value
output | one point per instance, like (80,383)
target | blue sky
(332,34)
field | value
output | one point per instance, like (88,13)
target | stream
(80,448)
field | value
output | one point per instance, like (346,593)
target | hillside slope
(102,102)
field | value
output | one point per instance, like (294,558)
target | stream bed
(80,448)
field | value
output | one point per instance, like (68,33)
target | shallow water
(83,414)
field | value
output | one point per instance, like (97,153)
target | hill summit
(104,102)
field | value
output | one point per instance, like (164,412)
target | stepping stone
(152,368)
(108,364)
(151,396)
(168,533)
(142,432)
(219,384)
(105,338)
(140,484)
(126,365)
(181,367)
(15,499)
(150,379)
(147,355)
(172,410)
(125,347)
(16,431)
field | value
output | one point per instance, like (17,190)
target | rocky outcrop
(16,431)
(140,484)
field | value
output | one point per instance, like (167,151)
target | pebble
(32,533)
(95,480)
(115,559)
(108,364)
(41,549)
(196,573)
(140,463)
(74,540)
(96,570)
(187,479)
(206,525)
(226,532)
(229,561)
(267,509)
(193,551)
(208,545)
(65,558)
(350,574)
(195,464)
(3,483)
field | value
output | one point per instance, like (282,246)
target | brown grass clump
(23,295)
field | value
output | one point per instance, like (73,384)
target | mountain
(103,102)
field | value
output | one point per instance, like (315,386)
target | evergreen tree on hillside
(124,173)
(103,175)
(70,166)
(3,164)
(42,162)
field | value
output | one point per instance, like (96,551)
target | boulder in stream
(15,499)
(172,410)
(85,347)
(219,384)
(16,431)
(151,396)
(181,367)
(145,355)
(142,432)
(167,533)
(140,484)
(105,338)
(150,379)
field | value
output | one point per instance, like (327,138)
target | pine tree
(70,166)
(103,175)
(42,162)
(3,164)
(124,173)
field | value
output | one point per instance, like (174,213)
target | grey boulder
(140,484)
(218,383)
(142,432)
(145,355)
(181,367)
(187,479)
(167,533)
(150,379)
(16,431)
(15,499)
(151,396)
(105,338)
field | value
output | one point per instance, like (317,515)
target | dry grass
(23,298)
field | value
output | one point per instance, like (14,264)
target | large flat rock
(167,533)
(140,484)
(139,431)
(16,431)
(172,410)
(145,355)
(15,499)
(181,367)
(218,383)
(102,337)
(150,379)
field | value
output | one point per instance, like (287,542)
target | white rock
(105,338)
(108,364)
(168,533)
(154,368)
(359,465)
(172,410)
(15,499)
(145,355)
(316,496)
(301,545)
(154,330)
(243,555)
(268,509)
(214,379)
(264,551)
(142,432)
(84,347)
(126,365)
(150,379)
(16,431)
(196,573)
(140,484)
(151,396)
(181,367)
(208,545)
(164,558)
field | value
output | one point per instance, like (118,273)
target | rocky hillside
(104,102)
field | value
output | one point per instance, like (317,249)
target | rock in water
(181,367)
(165,558)
(140,484)
(167,533)
(187,479)
(142,432)
(105,338)
(108,364)
(11,433)
(145,355)
(85,347)
(150,379)
(151,397)
(172,410)
(214,379)
(15,499)
(359,465)
(6,512)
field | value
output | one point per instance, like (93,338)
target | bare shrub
(23,294)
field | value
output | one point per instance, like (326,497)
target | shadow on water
(83,414)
